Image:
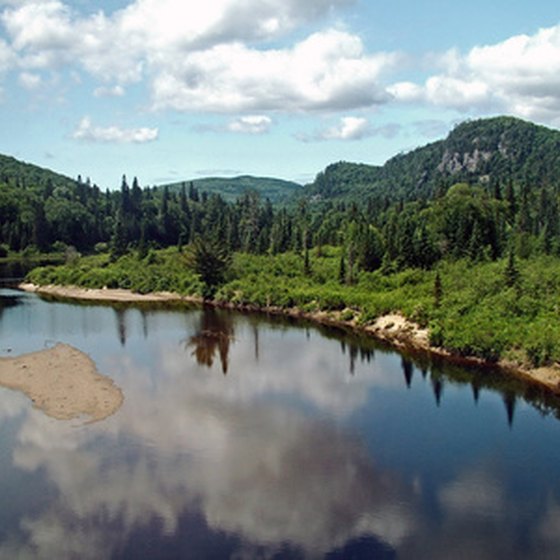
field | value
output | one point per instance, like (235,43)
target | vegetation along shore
(461,311)
(457,242)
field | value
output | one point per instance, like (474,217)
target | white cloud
(104,91)
(520,75)
(165,24)
(50,35)
(197,57)
(87,131)
(30,81)
(349,128)
(217,57)
(251,124)
(326,71)
(406,91)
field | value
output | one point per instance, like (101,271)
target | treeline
(478,222)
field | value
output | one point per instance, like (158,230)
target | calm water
(243,438)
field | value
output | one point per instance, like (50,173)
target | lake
(246,437)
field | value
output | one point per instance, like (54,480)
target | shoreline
(392,328)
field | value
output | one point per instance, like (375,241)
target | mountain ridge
(497,149)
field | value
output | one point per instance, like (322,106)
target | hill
(276,190)
(484,151)
(26,175)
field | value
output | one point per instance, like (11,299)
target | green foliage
(210,259)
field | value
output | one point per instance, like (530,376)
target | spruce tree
(511,274)
(342,269)
(438,290)
(306,263)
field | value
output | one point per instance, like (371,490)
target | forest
(461,236)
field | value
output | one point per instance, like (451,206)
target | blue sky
(167,90)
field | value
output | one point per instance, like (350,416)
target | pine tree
(306,262)
(511,274)
(438,290)
(511,202)
(342,269)
(142,246)
(210,259)
(476,243)
(118,240)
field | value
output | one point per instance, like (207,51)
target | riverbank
(63,382)
(392,328)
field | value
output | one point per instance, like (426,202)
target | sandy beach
(105,294)
(63,382)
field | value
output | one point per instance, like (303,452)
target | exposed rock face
(455,162)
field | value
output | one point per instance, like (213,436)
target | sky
(172,90)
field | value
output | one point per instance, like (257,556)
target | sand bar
(63,382)
(103,294)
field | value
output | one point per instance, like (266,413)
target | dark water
(242,438)
(13,272)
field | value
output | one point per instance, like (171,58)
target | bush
(436,335)
(541,345)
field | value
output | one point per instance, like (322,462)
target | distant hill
(231,188)
(18,173)
(483,151)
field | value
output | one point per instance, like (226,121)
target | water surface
(246,438)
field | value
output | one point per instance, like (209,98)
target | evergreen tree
(511,274)
(438,290)
(476,243)
(118,240)
(142,245)
(210,259)
(342,269)
(306,262)
(511,202)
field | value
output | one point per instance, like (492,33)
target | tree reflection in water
(213,338)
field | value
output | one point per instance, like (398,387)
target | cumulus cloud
(351,128)
(104,91)
(218,57)
(520,75)
(328,70)
(175,24)
(208,57)
(87,131)
(29,81)
(251,124)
